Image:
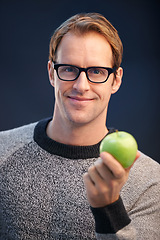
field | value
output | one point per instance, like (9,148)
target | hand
(104,180)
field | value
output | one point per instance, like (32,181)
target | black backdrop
(25,93)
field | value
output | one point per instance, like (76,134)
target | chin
(78,121)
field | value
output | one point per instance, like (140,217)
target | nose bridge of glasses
(83,70)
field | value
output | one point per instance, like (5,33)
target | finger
(94,175)
(94,195)
(89,184)
(137,156)
(113,165)
(103,170)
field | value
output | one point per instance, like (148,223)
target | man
(54,185)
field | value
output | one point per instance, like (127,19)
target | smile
(81,99)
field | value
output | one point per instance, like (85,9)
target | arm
(11,140)
(141,204)
(141,197)
(104,181)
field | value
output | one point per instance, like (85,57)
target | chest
(44,195)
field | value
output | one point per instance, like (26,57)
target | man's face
(81,102)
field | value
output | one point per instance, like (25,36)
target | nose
(81,84)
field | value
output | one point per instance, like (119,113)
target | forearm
(141,222)
(126,233)
(113,222)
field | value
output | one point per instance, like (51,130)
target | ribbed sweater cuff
(111,218)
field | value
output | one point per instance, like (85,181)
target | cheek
(106,97)
(58,91)
(104,91)
(57,88)
(61,88)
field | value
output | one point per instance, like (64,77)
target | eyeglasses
(67,72)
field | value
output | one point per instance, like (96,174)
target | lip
(79,102)
(80,99)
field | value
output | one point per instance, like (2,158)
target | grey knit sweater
(42,195)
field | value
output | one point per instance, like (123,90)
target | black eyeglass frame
(57,65)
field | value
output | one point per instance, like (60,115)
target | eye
(97,71)
(68,69)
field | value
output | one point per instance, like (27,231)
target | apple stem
(117,131)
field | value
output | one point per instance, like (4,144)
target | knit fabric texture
(42,194)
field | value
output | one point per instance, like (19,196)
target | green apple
(122,146)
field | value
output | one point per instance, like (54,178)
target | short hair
(81,24)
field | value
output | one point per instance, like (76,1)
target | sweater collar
(63,150)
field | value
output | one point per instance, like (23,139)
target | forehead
(89,47)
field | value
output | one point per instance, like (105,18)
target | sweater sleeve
(12,140)
(111,220)
(136,215)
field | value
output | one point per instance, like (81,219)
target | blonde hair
(83,23)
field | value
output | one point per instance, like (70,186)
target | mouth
(80,102)
(80,99)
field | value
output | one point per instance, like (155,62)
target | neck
(79,135)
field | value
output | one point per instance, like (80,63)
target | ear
(51,72)
(117,80)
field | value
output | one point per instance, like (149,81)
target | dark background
(25,93)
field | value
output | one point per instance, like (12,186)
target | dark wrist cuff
(111,218)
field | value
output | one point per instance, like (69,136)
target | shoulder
(144,179)
(145,172)
(146,168)
(13,139)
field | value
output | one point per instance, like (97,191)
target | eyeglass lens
(96,74)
